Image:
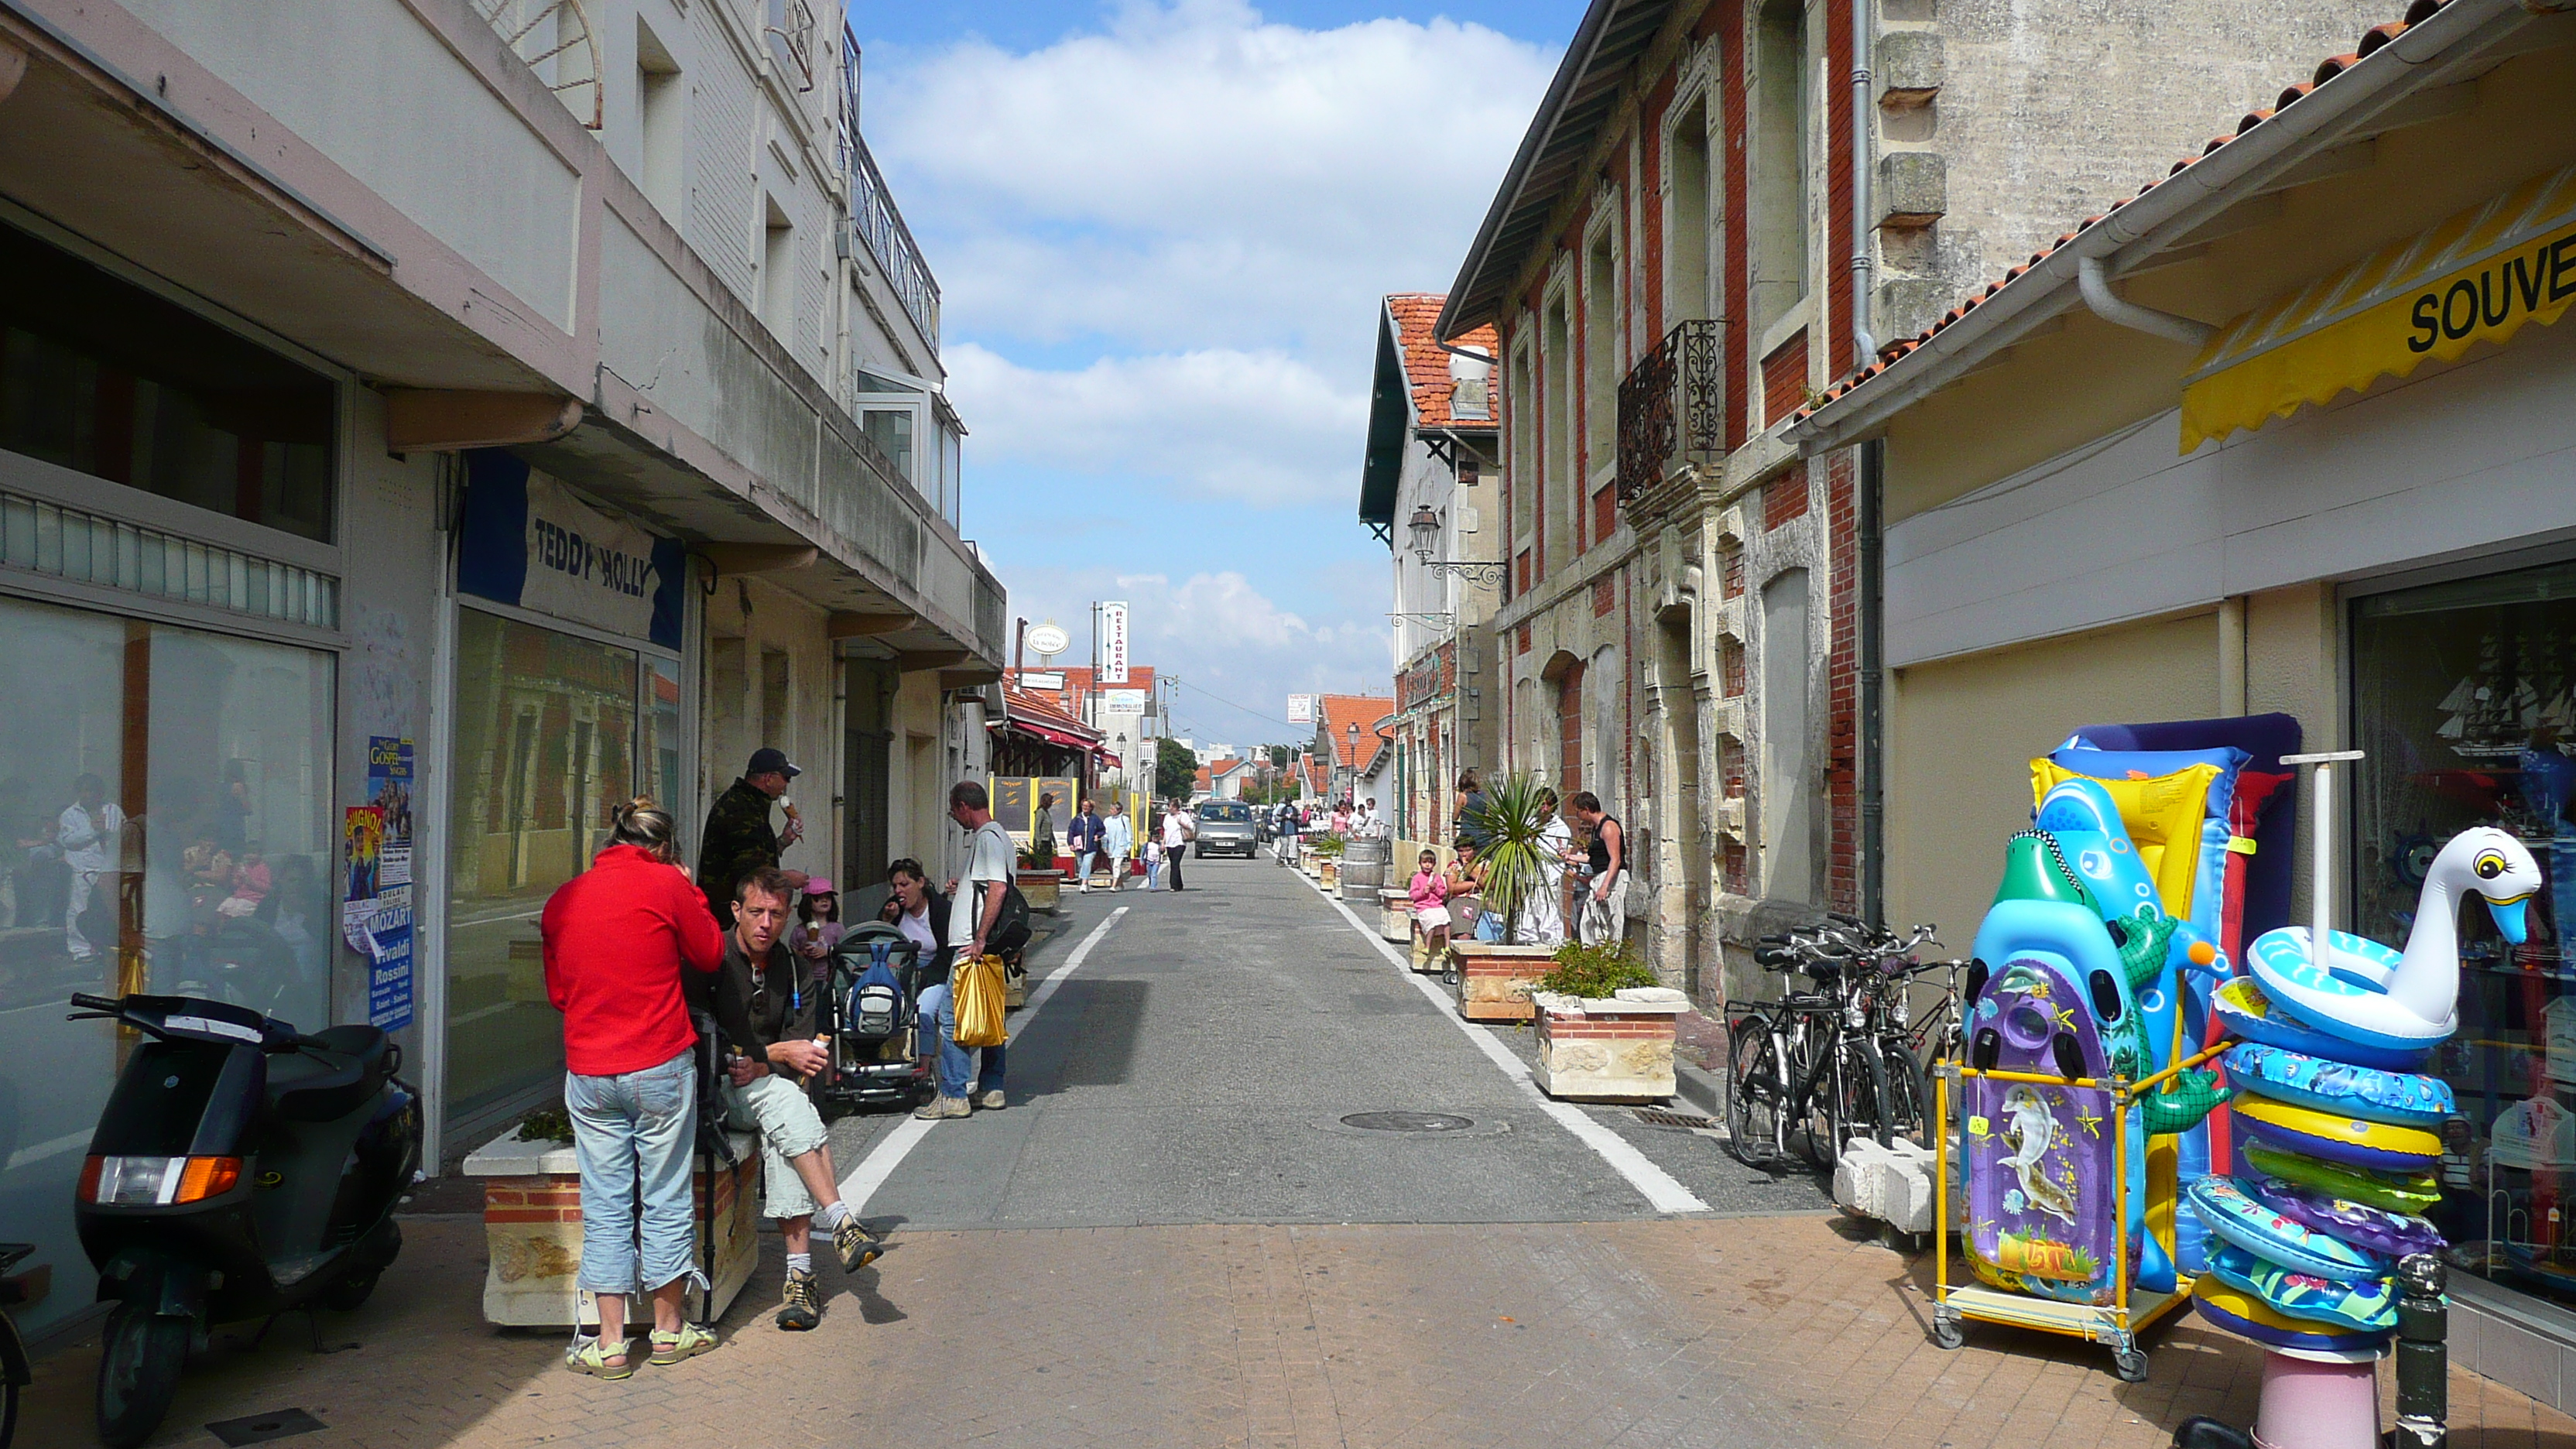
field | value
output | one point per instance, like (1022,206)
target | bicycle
(1805,1064)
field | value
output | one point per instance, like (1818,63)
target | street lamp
(1424,526)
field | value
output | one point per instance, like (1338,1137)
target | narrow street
(1171,1237)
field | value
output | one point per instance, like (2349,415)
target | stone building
(1720,206)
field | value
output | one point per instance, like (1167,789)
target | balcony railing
(873,214)
(1668,407)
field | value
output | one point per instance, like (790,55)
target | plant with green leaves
(1595,972)
(1329,847)
(1511,823)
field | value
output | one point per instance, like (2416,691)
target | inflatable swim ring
(2246,1012)
(2402,1099)
(2395,1192)
(2335,1138)
(2240,1312)
(2376,1230)
(2268,1235)
(2365,1307)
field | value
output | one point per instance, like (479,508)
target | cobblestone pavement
(1165,1241)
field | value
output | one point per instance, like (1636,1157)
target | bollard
(2423,1363)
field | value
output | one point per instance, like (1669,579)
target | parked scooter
(242,1169)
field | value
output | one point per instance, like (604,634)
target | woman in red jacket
(617,937)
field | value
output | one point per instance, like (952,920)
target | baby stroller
(869,1011)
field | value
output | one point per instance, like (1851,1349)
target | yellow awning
(2477,277)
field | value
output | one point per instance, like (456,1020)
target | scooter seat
(312,1086)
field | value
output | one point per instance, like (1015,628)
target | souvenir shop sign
(528,541)
(376,911)
(2477,277)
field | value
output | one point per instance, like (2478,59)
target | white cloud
(1194,174)
(1255,427)
(1225,639)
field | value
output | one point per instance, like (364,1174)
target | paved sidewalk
(1683,1332)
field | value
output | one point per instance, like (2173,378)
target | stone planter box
(1615,1049)
(1494,982)
(532,1232)
(1043,889)
(1328,874)
(1394,915)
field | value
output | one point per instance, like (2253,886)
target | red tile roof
(2334,65)
(1078,686)
(1426,367)
(1341,711)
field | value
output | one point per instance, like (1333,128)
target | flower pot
(1042,888)
(532,1230)
(1614,1049)
(1494,982)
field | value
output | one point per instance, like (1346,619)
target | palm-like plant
(1514,857)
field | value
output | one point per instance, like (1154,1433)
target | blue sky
(1160,230)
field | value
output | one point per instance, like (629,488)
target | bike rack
(2131,1311)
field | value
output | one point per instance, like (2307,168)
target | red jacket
(616,936)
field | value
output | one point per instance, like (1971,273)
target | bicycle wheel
(1909,1096)
(1811,1099)
(1754,1089)
(1855,1096)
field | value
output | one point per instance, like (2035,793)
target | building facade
(1705,224)
(2284,435)
(424,426)
(1427,490)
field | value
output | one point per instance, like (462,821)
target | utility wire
(1221,699)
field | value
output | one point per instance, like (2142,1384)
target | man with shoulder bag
(987,917)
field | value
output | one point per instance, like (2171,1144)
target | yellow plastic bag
(977,988)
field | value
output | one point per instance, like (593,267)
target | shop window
(99,376)
(2464,695)
(165,807)
(545,738)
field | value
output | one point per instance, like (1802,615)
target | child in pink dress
(1430,892)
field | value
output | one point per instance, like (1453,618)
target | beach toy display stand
(2132,1309)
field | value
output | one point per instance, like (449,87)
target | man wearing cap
(738,840)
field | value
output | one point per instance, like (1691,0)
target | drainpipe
(2094,280)
(1865,346)
(1873,657)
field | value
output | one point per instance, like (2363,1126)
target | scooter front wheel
(138,1373)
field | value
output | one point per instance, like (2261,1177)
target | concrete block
(1891,1184)
(1908,66)
(1907,305)
(1610,1049)
(532,1230)
(1913,188)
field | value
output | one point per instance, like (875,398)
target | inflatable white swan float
(2363,992)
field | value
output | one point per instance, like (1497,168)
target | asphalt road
(1196,1069)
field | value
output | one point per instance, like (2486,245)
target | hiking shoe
(588,1357)
(855,1245)
(938,1107)
(991,1101)
(801,1306)
(692,1339)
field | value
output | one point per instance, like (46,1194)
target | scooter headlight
(157,1181)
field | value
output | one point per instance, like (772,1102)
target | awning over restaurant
(2476,277)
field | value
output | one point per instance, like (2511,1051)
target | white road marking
(42,1150)
(1660,1188)
(888,1154)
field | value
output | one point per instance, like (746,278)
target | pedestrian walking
(1042,831)
(86,833)
(975,905)
(771,1017)
(616,940)
(1179,829)
(1088,837)
(738,839)
(1154,864)
(1120,842)
(1603,908)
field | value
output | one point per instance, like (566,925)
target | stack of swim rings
(2340,1141)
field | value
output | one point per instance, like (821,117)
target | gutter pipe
(2094,281)
(2169,206)
(1864,345)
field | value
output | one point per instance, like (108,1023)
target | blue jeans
(956,1063)
(634,1135)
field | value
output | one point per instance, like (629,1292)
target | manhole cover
(1408,1122)
(261,1428)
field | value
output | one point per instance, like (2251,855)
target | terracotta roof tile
(1426,367)
(1341,711)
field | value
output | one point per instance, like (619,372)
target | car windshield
(1225,810)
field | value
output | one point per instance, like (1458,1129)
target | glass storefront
(164,795)
(552,731)
(2465,698)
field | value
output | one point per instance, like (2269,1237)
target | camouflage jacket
(736,842)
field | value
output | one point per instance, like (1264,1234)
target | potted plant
(1605,1028)
(1494,979)
(1041,881)
(1325,860)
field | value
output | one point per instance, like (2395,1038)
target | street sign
(1122,701)
(1301,709)
(1113,642)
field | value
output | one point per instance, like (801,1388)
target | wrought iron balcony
(873,214)
(1668,407)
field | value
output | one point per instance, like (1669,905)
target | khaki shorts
(789,1127)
